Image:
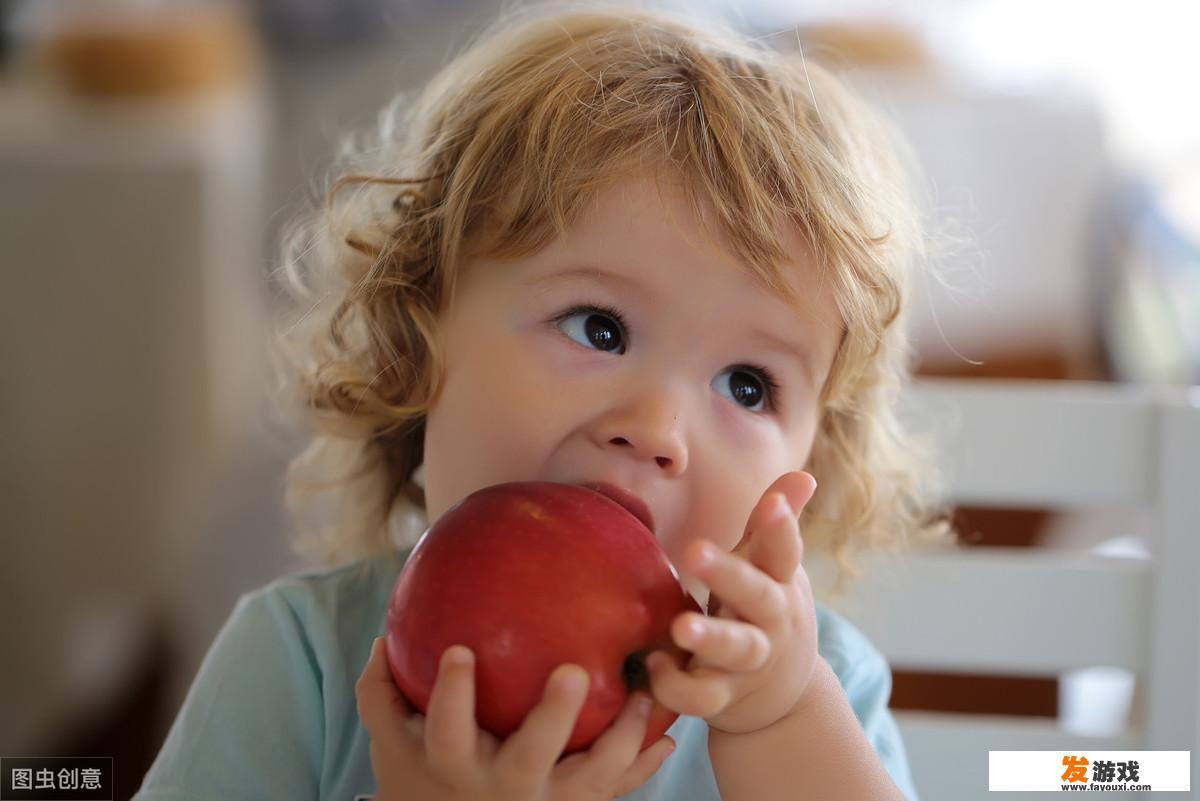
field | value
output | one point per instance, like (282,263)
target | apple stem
(634,672)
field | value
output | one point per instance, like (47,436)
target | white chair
(1047,611)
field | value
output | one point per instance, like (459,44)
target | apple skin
(531,575)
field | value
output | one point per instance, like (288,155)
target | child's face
(669,408)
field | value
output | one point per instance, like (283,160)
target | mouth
(635,505)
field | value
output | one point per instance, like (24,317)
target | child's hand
(755,657)
(446,756)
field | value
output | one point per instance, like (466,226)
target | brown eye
(595,327)
(749,386)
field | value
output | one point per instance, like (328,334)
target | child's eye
(752,385)
(592,328)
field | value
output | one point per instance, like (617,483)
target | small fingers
(645,765)
(744,590)
(797,487)
(727,644)
(617,757)
(450,730)
(779,551)
(700,692)
(617,748)
(529,754)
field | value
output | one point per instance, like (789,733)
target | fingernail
(459,656)
(644,704)
(570,680)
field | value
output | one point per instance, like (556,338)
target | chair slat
(1040,444)
(1173,695)
(1004,611)
(948,753)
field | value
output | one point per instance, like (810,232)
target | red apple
(532,575)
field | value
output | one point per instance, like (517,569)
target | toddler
(607,245)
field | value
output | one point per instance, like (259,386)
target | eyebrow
(595,274)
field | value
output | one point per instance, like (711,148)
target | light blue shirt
(272,711)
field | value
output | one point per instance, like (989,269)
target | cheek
(723,499)
(493,422)
(718,515)
(742,431)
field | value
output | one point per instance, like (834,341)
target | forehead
(647,226)
(642,238)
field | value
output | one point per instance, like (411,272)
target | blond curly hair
(498,154)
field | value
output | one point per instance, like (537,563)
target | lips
(636,506)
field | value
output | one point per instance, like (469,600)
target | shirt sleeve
(251,724)
(868,685)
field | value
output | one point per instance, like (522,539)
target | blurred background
(152,152)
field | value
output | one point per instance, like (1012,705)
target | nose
(648,425)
